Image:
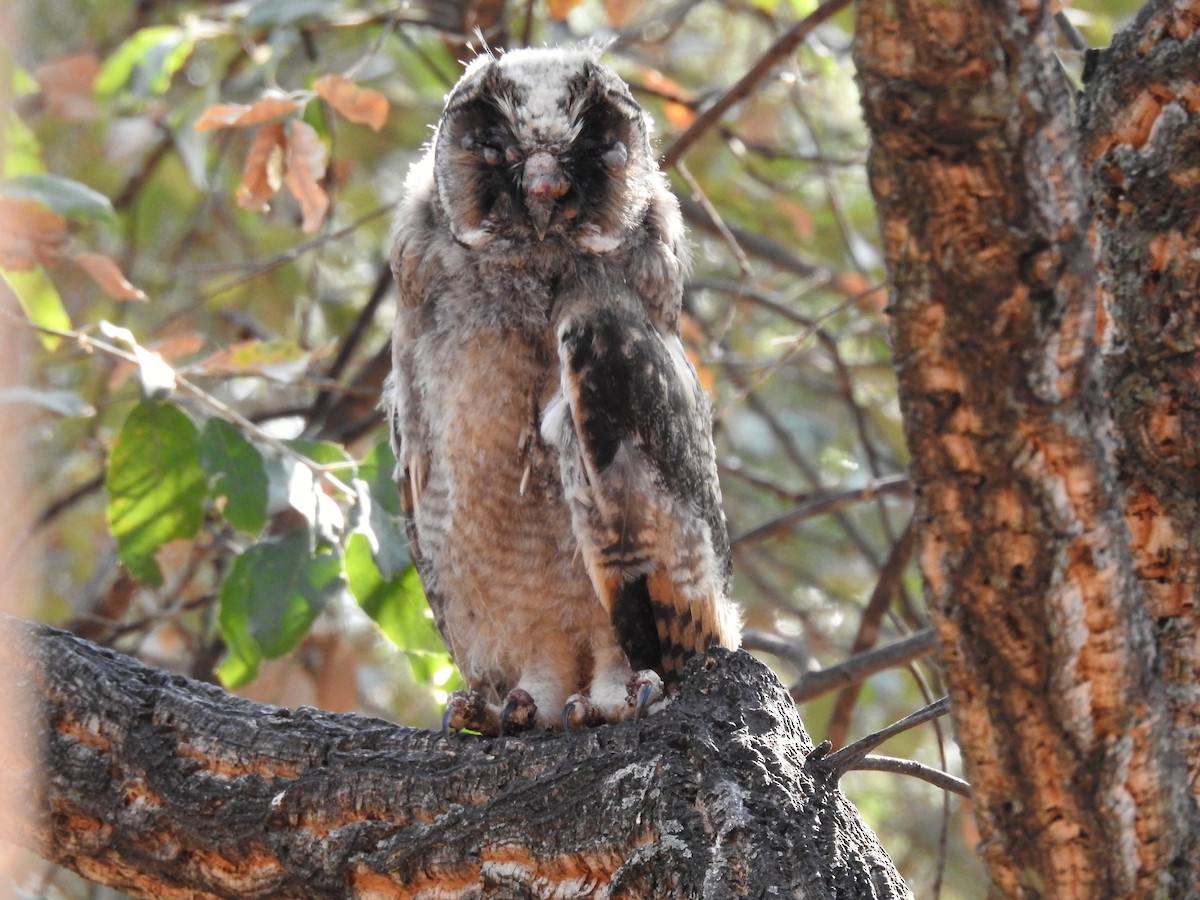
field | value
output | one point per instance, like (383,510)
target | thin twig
(847,757)
(936,777)
(863,665)
(784,45)
(739,255)
(87,341)
(823,502)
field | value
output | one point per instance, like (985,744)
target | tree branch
(165,787)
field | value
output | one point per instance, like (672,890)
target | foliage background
(235,561)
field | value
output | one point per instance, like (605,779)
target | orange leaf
(361,105)
(239,115)
(619,12)
(261,176)
(30,234)
(66,84)
(677,111)
(109,276)
(558,9)
(305,169)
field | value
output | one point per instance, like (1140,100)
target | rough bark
(165,787)
(1049,648)
(1140,119)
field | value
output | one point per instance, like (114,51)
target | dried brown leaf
(304,170)
(262,176)
(30,234)
(239,115)
(361,105)
(66,84)
(109,276)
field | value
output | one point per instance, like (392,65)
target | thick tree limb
(166,787)
(1048,648)
(1140,121)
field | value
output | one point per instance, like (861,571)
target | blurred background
(194,220)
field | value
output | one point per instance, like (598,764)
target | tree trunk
(165,787)
(1049,631)
(1140,121)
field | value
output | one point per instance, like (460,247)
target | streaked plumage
(554,443)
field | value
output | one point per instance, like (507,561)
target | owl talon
(465,709)
(518,713)
(644,688)
(579,710)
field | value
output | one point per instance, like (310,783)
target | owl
(554,444)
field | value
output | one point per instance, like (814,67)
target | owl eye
(615,156)
(490,153)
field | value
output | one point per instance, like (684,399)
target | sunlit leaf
(168,58)
(262,176)
(396,604)
(155,485)
(157,376)
(169,348)
(355,103)
(281,361)
(273,593)
(238,474)
(65,196)
(304,170)
(22,154)
(241,115)
(106,273)
(378,470)
(40,300)
(119,67)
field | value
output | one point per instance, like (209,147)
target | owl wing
(633,426)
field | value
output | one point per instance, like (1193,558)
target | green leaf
(273,594)
(238,474)
(324,453)
(378,470)
(168,58)
(284,12)
(119,67)
(65,196)
(155,485)
(39,298)
(22,153)
(396,604)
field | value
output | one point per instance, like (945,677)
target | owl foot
(644,688)
(519,712)
(467,709)
(579,711)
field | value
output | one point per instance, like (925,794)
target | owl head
(543,146)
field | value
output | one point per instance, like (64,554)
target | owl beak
(543,185)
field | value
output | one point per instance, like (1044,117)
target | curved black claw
(566,715)
(446,716)
(518,708)
(643,700)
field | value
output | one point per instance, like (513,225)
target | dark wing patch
(642,481)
